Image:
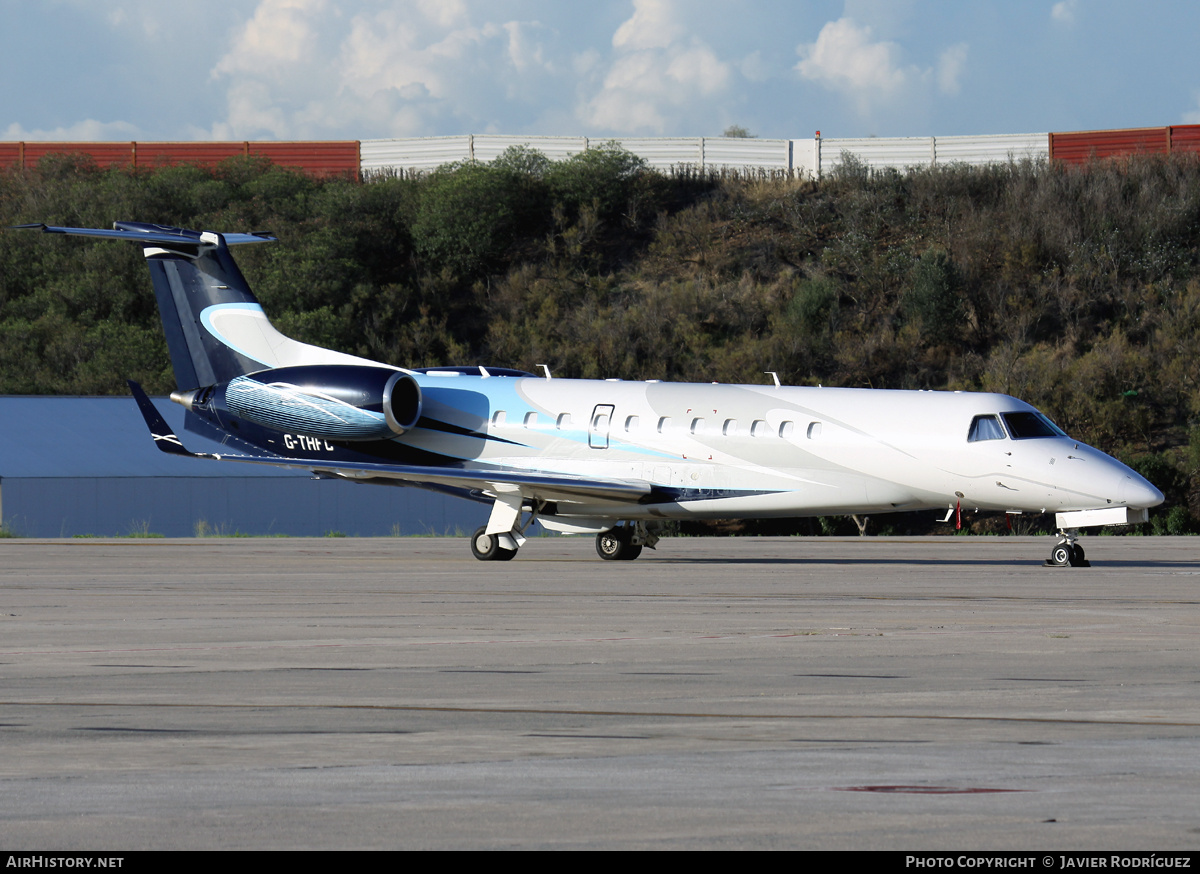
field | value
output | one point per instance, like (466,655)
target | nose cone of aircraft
(1138,492)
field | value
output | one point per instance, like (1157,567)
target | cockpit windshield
(1025,425)
(1021,426)
(985,428)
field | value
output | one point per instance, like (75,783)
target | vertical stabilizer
(195,284)
(215,328)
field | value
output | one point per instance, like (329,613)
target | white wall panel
(805,161)
(661,153)
(996,149)
(736,153)
(804,157)
(897,153)
(488,147)
(415,153)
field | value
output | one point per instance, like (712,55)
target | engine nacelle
(330,401)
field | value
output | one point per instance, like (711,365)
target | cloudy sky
(364,69)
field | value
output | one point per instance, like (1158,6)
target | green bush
(934,300)
(468,218)
(607,179)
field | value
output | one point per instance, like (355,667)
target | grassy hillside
(1076,289)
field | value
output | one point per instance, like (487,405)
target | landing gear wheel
(614,545)
(1067,554)
(1061,555)
(486,547)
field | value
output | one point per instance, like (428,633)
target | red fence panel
(205,154)
(1185,138)
(104,154)
(1078,147)
(316,158)
(1082,146)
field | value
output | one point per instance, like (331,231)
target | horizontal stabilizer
(142,232)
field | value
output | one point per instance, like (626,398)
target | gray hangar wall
(74,466)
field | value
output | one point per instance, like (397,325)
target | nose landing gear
(490,547)
(1067,552)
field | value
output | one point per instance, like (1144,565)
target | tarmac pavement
(748,693)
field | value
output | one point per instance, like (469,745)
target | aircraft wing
(546,486)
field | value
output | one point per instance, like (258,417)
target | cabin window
(564,421)
(631,423)
(786,429)
(1025,425)
(531,420)
(730,427)
(697,426)
(498,417)
(985,428)
(814,430)
(759,429)
(663,424)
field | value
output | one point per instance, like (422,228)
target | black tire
(1061,555)
(1077,556)
(614,545)
(486,547)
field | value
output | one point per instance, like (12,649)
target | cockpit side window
(985,428)
(1026,425)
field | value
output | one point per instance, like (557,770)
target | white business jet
(611,458)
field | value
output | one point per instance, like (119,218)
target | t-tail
(231,363)
(199,287)
(215,328)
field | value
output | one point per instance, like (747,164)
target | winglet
(164,437)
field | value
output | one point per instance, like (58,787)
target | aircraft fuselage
(746,450)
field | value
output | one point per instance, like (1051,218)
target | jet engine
(345,402)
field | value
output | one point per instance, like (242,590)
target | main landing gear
(624,542)
(500,539)
(1067,552)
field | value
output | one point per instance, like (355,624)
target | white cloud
(700,69)
(950,68)
(281,33)
(845,58)
(88,130)
(308,69)
(524,51)
(659,74)
(1064,12)
(444,13)
(654,24)
(1192,116)
(754,68)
